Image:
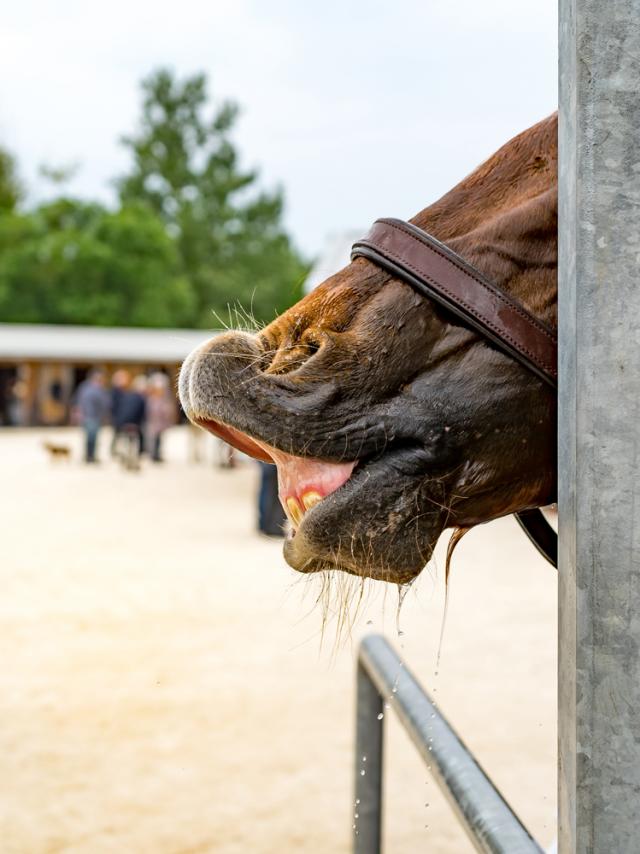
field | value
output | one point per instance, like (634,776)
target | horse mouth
(357,483)
(321,498)
(303,482)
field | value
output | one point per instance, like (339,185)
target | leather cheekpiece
(438,273)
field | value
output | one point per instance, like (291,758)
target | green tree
(76,262)
(230,240)
(10,190)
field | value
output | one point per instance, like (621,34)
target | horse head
(388,418)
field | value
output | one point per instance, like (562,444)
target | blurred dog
(57,452)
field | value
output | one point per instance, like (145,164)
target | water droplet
(426,805)
(387,705)
(369,622)
(353,827)
(364,758)
(400,633)
(357,800)
(394,690)
(357,815)
(433,715)
(363,772)
(380,716)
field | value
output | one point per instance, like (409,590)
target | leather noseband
(436,272)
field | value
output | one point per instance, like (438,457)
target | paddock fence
(384,683)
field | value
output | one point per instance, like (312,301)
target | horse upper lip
(221,384)
(236,438)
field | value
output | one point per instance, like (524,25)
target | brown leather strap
(535,525)
(440,274)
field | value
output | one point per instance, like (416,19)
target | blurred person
(160,413)
(129,423)
(92,404)
(17,403)
(271,516)
(12,402)
(5,397)
(120,382)
(135,408)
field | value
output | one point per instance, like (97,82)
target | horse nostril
(312,345)
(290,355)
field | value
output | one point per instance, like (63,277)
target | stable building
(42,365)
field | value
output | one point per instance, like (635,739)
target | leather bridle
(436,272)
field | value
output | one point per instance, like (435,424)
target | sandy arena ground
(163,689)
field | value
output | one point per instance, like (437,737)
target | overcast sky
(358,109)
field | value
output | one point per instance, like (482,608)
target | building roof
(42,342)
(336,254)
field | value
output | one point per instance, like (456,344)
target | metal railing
(383,680)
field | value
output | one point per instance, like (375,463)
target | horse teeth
(310,499)
(295,511)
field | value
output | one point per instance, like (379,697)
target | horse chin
(308,550)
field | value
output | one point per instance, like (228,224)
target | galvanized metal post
(367,826)
(599,418)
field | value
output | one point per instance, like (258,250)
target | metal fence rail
(488,820)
